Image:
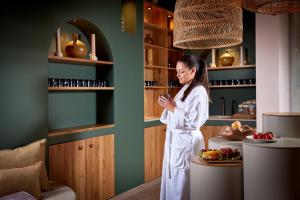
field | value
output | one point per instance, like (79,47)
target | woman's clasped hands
(167,102)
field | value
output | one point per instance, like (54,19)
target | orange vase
(76,48)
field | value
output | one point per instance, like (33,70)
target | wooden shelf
(231,67)
(78,129)
(156,87)
(78,61)
(155,26)
(153,46)
(155,67)
(174,87)
(232,86)
(79,88)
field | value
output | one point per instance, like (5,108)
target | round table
(216,181)
(220,142)
(272,170)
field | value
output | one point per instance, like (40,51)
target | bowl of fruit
(237,131)
(220,155)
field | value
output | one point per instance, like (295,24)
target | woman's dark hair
(201,76)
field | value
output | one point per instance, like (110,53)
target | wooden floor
(146,191)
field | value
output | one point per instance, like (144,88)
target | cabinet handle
(91,145)
(80,147)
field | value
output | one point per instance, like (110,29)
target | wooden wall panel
(154,138)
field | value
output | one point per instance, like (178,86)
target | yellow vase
(226,59)
(76,48)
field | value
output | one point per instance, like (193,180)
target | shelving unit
(80,109)
(231,93)
(162,68)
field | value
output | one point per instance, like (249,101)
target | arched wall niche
(84,29)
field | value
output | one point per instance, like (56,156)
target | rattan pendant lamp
(272,7)
(207,24)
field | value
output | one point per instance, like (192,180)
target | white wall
(272,65)
(295,62)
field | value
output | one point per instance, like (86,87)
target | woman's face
(184,74)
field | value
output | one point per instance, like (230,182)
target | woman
(184,115)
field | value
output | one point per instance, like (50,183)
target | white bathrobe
(183,141)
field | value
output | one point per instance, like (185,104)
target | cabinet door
(154,139)
(67,166)
(100,167)
(75,168)
(56,163)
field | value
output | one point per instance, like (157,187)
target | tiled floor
(147,191)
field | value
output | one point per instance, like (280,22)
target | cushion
(21,179)
(58,191)
(18,196)
(24,156)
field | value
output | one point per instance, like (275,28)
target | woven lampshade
(272,7)
(207,24)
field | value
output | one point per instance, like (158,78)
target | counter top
(280,143)
(283,114)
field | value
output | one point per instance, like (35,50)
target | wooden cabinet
(154,140)
(160,58)
(87,166)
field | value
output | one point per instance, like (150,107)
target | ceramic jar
(76,48)
(226,59)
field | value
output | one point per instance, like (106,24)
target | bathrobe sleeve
(193,114)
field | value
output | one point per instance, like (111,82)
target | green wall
(26,33)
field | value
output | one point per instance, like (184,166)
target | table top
(280,143)
(222,140)
(283,114)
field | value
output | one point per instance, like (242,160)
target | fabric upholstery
(24,156)
(18,196)
(21,179)
(58,191)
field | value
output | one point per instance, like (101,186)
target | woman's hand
(167,103)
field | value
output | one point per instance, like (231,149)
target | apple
(236,125)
